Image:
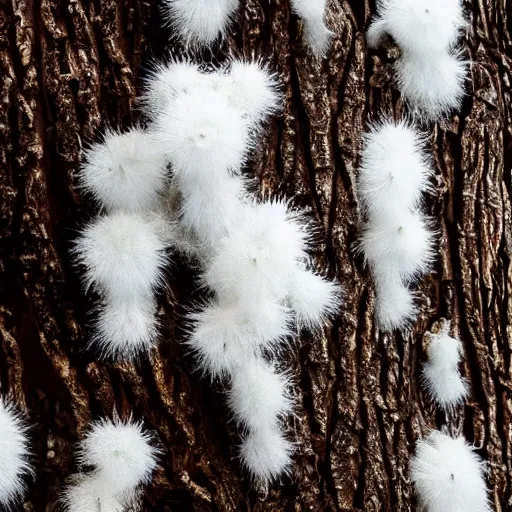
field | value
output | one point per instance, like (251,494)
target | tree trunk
(68,68)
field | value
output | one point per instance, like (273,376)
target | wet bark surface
(69,68)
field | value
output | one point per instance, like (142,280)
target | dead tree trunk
(67,68)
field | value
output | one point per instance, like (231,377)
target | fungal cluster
(252,255)
(202,22)
(178,184)
(118,459)
(446,472)
(397,238)
(123,256)
(430,71)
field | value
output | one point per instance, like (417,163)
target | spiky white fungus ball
(257,258)
(203,136)
(123,255)
(167,81)
(200,21)
(318,36)
(259,396)
(126,172)
(394,171)
(126,329)
(402,246)
(253,90)
(395,308)
(418,26)
(266,454)
(448,475)
(432,87)
(89,493)
(441,374)
(14,462)
(225,336)
(121,453)
(313,298)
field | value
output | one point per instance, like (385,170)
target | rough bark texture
(69,67)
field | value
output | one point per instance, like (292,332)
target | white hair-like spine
(123,256)
(397,238)
(125,172)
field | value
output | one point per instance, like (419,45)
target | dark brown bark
(67,68)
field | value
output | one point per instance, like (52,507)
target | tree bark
(68,68)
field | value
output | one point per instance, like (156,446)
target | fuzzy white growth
(259,396)
(88,493)
(227,336)
(253,91)
(126,172)
(448,475)
(318,36)
(121,453)
(123,256)
(249,87)
(395,307)
(313,298)
(166,82)
(14,464)
(253,259)
(441,374)
(430,72)
(394,170)
(257,273)
(266,454)
(258,276)
(211,210)
(397,240)
(419,27)
(204,136)
(126,329)
(121,460)
(200,21)
(258,257)
(432,87)
(398,246)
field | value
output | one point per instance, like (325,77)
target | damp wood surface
(70,68)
